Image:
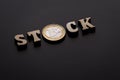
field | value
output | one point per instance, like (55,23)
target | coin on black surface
(53,32)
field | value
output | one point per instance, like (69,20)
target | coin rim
(53,39)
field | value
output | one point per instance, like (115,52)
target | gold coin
(53,32)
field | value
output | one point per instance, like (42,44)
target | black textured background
(91,57)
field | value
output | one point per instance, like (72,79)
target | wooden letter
(86,24)
(34,34)
(20,41)
(72,29)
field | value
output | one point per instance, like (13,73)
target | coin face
(53,32)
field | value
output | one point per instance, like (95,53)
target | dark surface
(94,56)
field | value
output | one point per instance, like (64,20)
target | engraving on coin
(53,32)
